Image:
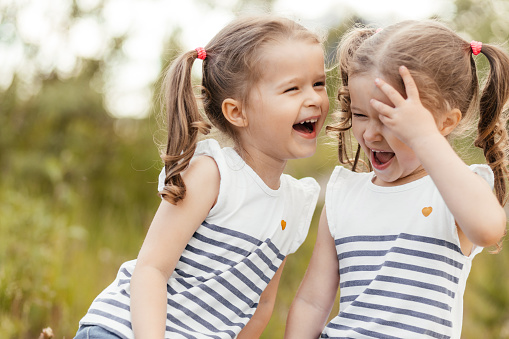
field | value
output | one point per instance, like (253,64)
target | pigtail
(347,48)
(184,125)
(492,135)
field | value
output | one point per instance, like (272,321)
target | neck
(419,173)
(266,167)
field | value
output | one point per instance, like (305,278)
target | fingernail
(377,81)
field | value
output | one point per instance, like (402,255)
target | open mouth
(380,158)
(306,127)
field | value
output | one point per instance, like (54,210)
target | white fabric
(231,258)
(402,273)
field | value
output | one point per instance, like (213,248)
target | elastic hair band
(378,30)
(476,47)
(201,53)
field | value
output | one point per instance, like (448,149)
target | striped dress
(216,285)
(402,273)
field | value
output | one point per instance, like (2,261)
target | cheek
(406,154)
(357,131)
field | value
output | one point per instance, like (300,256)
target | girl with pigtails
(399,241)
(212,259)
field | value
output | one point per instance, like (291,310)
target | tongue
(304,128)
(383,157)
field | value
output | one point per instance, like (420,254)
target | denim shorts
(94,332)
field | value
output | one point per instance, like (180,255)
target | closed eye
(291,89)
(319,83)
(358,115)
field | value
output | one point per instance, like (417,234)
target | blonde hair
(233,65)
(444,70)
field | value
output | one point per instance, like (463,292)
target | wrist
(426,142)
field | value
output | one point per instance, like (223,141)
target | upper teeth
(309,121)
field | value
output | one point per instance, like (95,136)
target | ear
(232,111)
(449,121)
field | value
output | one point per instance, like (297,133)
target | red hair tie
(476,47)
(201,53)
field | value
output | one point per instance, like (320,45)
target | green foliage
(77,190)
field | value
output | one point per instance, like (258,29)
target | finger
(381,108)
(394,96)
(410,86)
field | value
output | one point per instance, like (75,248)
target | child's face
(394,163)
(288,106)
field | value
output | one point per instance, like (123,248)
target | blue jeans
(94,332)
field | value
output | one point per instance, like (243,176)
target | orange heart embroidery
(427,211)
(283,225)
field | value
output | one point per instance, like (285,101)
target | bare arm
(169,233)
(254,328)
(314,300)
(468,197)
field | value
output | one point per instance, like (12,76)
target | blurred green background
(78,183)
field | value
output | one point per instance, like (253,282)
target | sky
(127,87)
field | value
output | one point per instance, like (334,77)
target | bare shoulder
(202,178)
(203,167)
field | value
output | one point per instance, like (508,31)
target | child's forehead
(286,49)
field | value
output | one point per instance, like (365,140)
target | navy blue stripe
(232,233)
(360,331)
(354,283)
(182,333)
(394,264)
(119,320)
(348,298)
(365,238)
(184,326)
(408,297)
(211,256)
(406,236)
(364,253)
(395,324)
(400,250)
(360,268)
(199,266)
(266,259)
(221,244)
(416,283)
(430,240)
(422,269)
(402,281)
(197,318)
(123,282)
(183,281)
(114,303)
(256,270)
(246,281)
(407,312)
(275,250)
(428,255)
(125,294)
(124,271)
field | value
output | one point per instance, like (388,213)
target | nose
(372,133)
(313,98)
